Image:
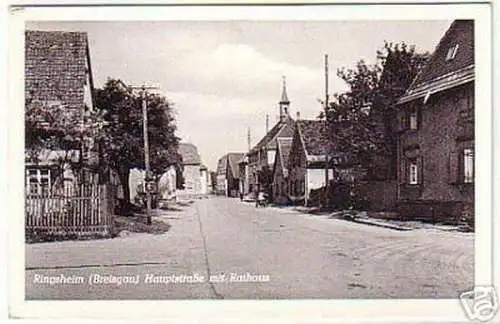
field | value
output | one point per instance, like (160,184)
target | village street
(286,253)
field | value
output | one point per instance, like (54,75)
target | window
(38,181)
(452,52)
(413,118)
(468,166)
(413,179)
(467,107)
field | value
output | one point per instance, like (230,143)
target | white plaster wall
(271,155)
(204,182)
(167,184)
(315,178)
(136,176)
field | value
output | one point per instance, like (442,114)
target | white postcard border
(217,311)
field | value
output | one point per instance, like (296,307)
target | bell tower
(284,102)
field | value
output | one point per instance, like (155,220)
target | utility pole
(148,177)
(326,133)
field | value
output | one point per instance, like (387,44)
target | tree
(123,140)
(51,126)
(362,120)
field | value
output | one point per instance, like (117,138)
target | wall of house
(280,185)
(316,178)
(271,155)
(243,174)
(380,195)
(253,164)
(192,183)
(297,170)
(87,90)
(203,182)
(221,185)
(136,177)
(443,133)
(167,184)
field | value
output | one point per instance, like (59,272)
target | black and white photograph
(253,159)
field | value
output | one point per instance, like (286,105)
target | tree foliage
(362,120)
(123,141)
(50,126)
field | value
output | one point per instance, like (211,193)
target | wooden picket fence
(82,210)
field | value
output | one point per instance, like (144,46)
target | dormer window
(452,52)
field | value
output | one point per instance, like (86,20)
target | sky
(224,77)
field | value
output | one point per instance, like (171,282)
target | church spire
(284,102)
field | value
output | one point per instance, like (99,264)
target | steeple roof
(284,96)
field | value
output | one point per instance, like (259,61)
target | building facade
(306,160)
(262,156)
(280,171)
(194,173)
(436,132)
(58,84)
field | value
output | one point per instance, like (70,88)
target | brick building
(436,132)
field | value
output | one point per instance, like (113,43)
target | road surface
(221,248)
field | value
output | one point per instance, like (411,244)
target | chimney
(267,123)
(298,115)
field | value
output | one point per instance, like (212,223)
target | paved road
(255,253)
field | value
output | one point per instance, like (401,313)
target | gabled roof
(233,159)
(281,129)
(56,67)
(312,134)
(222,165)
(189,153)
(441,73)
(284,146)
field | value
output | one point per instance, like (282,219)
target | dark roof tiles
(281,129)
(56,67)
(189,153)
(234,159)
(312,133)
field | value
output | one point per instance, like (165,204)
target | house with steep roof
(262,156)
(58,94)
(280,170)
(221,176)
(306,161)
(228,174)
(436,132)
(67,189)
(194,173)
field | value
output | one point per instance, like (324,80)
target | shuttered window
(461,166)
(413,118)
(468,166)
(415,170)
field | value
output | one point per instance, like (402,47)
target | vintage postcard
(321,162)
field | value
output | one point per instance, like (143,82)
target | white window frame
(38,176)
(468,163)
(413,173)
(452,52)
(414,119)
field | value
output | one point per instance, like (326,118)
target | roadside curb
(384,225)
